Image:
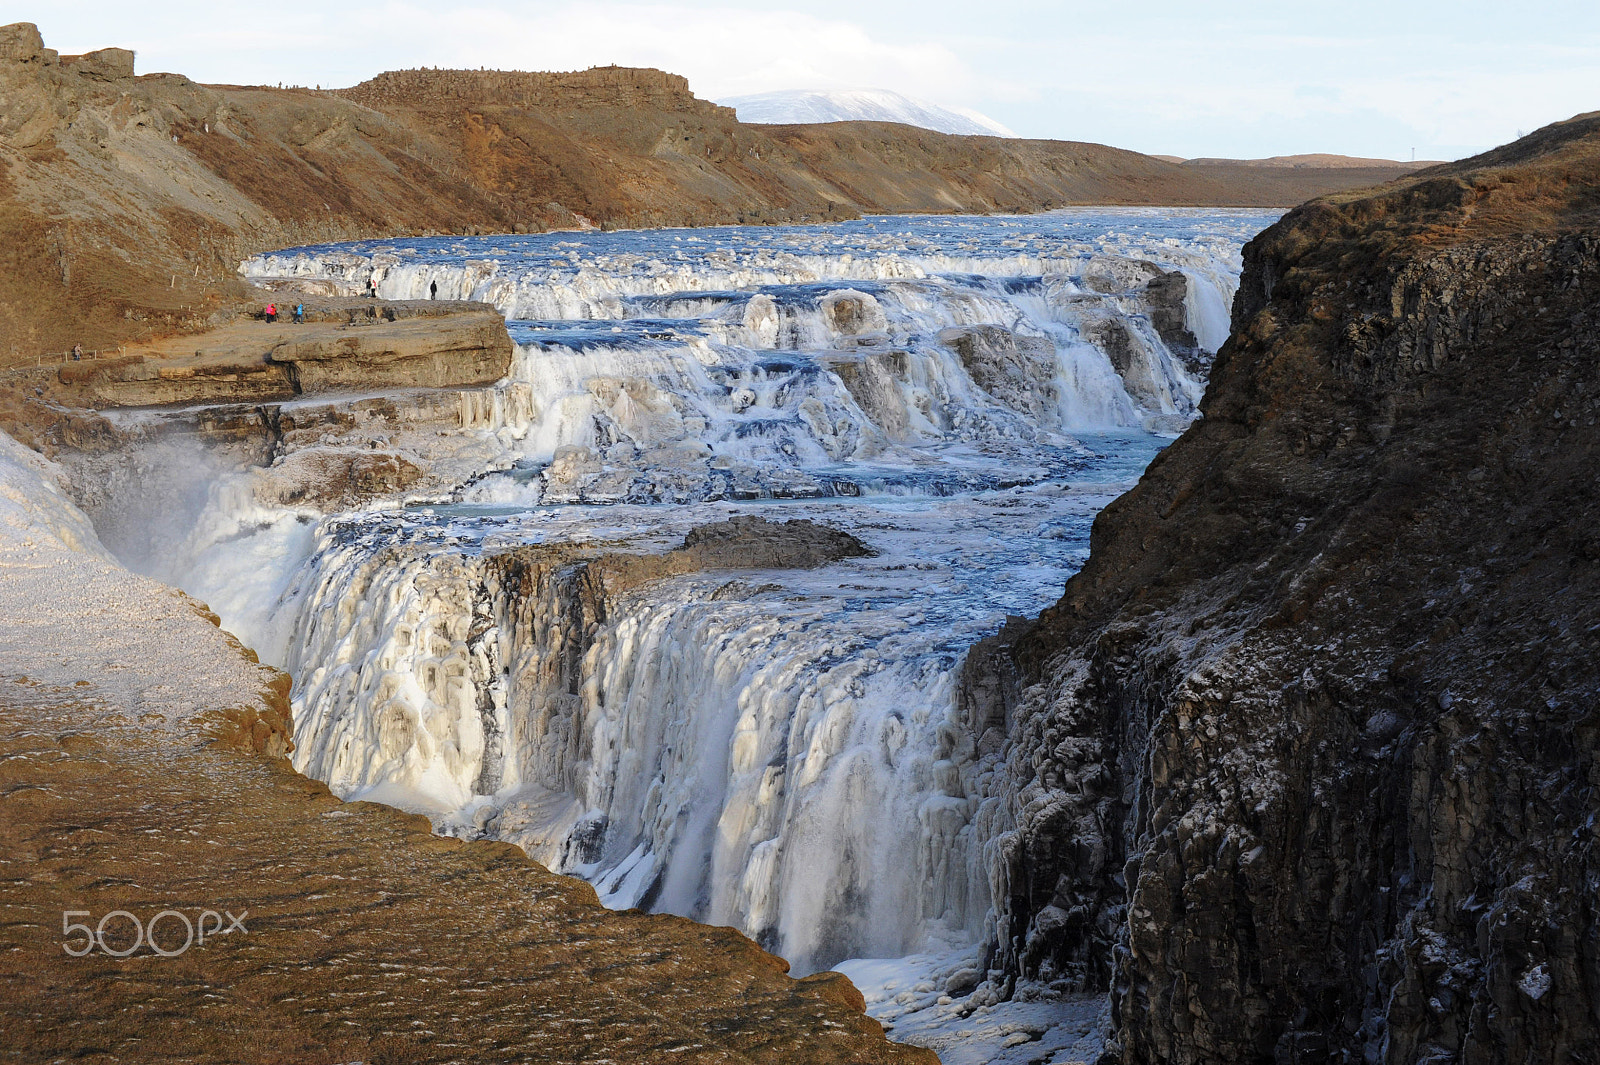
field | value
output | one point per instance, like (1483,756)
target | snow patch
(72,617)
(912,998)
(790,106)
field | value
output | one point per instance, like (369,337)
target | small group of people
(372,293)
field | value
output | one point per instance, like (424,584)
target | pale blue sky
(1239,79)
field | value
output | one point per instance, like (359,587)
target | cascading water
(779,748)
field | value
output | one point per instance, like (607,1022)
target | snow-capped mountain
(861,105)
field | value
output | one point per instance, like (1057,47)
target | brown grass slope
(127,201)
(1330,680)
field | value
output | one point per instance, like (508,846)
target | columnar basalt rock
(1303,766)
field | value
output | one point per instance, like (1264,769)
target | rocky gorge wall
(1302,767)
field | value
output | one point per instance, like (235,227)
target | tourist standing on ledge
(272,312)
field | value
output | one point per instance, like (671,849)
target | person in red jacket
(272,312)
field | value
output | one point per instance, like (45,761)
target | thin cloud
(723,52)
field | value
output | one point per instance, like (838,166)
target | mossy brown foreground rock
(367,937)
(1303,766)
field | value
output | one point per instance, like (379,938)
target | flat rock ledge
(343,346)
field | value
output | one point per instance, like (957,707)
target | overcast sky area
(1236,79)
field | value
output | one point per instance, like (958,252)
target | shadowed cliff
(1303,764)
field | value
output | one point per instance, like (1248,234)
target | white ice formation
(131,652)
(781,750)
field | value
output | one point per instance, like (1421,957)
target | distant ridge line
(1308,162)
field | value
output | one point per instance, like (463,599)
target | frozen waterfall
(778,748)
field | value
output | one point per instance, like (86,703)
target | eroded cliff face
(1303,764)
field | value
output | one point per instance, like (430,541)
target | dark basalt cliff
(1302,767)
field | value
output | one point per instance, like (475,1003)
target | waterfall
(701,744)
(521,650)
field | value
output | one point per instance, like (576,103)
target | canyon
(723,569)
(651,604)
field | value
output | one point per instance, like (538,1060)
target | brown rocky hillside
(127,201)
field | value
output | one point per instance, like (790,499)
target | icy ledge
(912,998)
(69,611)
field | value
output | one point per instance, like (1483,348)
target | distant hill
(798,106)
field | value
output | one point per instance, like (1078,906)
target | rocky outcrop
(1162,293)
(335,351)
(333,478)
(1016,370)
(1165,294)
(735,544)
(874,380)
(468,349)
(1304,765)
(757,543)
(106,64)
(604,88)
